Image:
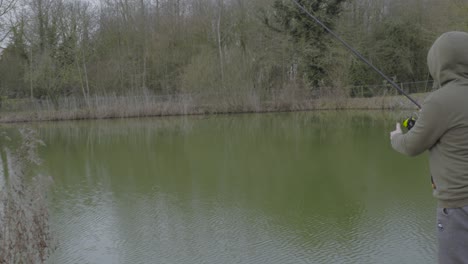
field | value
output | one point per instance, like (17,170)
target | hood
(448,58)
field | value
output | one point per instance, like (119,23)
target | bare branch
(6,6)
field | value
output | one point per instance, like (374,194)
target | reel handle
(409,123)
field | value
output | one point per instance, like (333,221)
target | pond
(313,187)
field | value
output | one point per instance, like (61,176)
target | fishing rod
(355,52)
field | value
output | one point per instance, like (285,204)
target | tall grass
(25,236)
(113,106)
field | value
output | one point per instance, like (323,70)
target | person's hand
(396,132)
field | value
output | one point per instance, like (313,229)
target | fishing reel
(409,123)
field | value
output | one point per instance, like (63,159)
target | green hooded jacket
(442,127)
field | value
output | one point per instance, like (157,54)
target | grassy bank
(146,106)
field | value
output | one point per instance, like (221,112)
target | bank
(178,105)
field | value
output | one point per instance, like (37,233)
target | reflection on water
(272,188)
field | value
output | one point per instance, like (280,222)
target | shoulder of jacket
(433,97)
(440,96)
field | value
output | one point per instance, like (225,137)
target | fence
(386,89)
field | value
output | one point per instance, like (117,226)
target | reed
(113,106)
(25,236)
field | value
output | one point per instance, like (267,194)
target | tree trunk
(85,69)
(31,72)
(220,47)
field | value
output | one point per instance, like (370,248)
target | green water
(272,188)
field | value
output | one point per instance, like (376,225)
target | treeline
(61,48)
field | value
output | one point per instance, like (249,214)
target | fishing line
(359,55)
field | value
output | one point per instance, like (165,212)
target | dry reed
(24,219)
(103,107)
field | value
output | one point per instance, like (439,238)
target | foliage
(63,48)
(311,42)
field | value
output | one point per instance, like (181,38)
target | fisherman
(442,128)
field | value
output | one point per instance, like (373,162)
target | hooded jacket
(442,127)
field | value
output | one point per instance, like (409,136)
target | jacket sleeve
(429,128)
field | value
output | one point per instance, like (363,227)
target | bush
(24,219)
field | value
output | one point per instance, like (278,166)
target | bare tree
(6,6)
(218,34)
